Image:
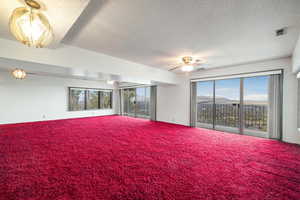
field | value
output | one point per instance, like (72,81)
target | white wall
(296,57)
(39,98)
(173,101)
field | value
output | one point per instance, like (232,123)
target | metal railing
(255,116)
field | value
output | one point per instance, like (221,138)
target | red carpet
(124,158)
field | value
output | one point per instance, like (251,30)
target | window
(92,101)
(106,99)
(89,99)
(77,99)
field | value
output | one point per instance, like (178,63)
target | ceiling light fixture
(30,26)
(19,73)
(187,68)
(110,82)
(188,64)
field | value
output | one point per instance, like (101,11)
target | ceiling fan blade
(201,65)
(199,69)
(174,68)
(199,61)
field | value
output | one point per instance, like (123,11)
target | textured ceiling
(157,32)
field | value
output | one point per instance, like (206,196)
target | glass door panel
(125,101)
(255,113)
(142,97)
(140,101)
(227,105)
(205,104)
(131,102)
(147,102)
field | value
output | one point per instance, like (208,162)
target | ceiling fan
(188,64)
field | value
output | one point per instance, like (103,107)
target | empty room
(150,100)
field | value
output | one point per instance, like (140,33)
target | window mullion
(85,99)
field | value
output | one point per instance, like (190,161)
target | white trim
(135,86)
(265,73)
(93,89)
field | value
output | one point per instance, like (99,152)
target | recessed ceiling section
(61,14)
(31,68)
(158,33)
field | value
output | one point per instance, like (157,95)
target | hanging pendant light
(19,73)
(30,26)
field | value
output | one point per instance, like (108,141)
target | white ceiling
(61,15)
(157,32)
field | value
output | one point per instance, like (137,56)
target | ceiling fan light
(19,73)
(187,68)
(30,26)
(110,82)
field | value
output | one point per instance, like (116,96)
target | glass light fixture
(19,73)
(110,82)
(187,68)
(30,26)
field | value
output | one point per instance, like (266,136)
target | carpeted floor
(116,157)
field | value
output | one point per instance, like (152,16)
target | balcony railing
(255,116)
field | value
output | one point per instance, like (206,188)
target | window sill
(97,109)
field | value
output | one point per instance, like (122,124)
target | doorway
(136,102)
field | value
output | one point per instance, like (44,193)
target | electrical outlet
(44,116)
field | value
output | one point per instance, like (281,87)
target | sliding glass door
(239,105)
(136,102)
(142,102)
(129,102)
(205,102)
(256,101)
(227,105)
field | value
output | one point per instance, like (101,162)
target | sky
(255,88)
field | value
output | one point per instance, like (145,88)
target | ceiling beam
(77,59)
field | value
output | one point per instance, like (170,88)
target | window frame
(86,98)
